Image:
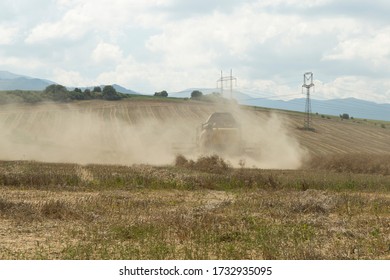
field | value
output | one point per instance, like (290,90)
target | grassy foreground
(195,210)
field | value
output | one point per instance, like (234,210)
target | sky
(172,45)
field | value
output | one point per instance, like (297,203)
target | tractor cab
(220,133)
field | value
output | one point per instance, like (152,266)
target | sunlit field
(201,209)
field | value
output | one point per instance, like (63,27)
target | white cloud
(373,48)
(73,26)
(12,62)
(82,17)
(153,76)
(353,86)
(8,34)
(200,41)
(246,32)
(291,3)
(107,53)
(70,78)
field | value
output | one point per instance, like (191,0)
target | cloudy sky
(152,45)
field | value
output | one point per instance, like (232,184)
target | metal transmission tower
(307,83)
(227,79)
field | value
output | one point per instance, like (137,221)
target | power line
(351,106)
(227,79)
(340,107)
(267,97)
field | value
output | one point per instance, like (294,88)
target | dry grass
(354,163)
(69,211)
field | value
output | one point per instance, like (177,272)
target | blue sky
(153,45)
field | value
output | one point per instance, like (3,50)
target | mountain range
(353,107)
(11,81)
(356,108)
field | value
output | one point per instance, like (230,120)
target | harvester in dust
(220,134)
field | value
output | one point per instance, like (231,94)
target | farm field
(97,180)
(143,131)
(203,211)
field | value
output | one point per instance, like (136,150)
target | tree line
(59,93)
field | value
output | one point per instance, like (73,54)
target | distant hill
(121,89)
(187,92)
(354,107)
(11,81)
(5,75)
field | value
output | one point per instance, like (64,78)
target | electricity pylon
(308,84)
(227,79)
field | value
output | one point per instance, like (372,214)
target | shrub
(97,89)
(212,164)
(196,94)
(163,93)
(57,93)
(109,93)
(181,161)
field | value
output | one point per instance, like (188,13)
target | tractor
(220,134)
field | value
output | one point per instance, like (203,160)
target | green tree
(88,94)
(76,95)
(97,89)
(196,94)
(57,93)
(163,93)
(109,93)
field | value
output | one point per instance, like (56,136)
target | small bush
(210,164)
(181,161)
(163,93)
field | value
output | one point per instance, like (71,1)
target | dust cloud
(273,141)
(268,139)
(107,134)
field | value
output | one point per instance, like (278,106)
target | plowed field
(136,131)
(333,206)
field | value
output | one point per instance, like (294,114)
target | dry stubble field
(335,206)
